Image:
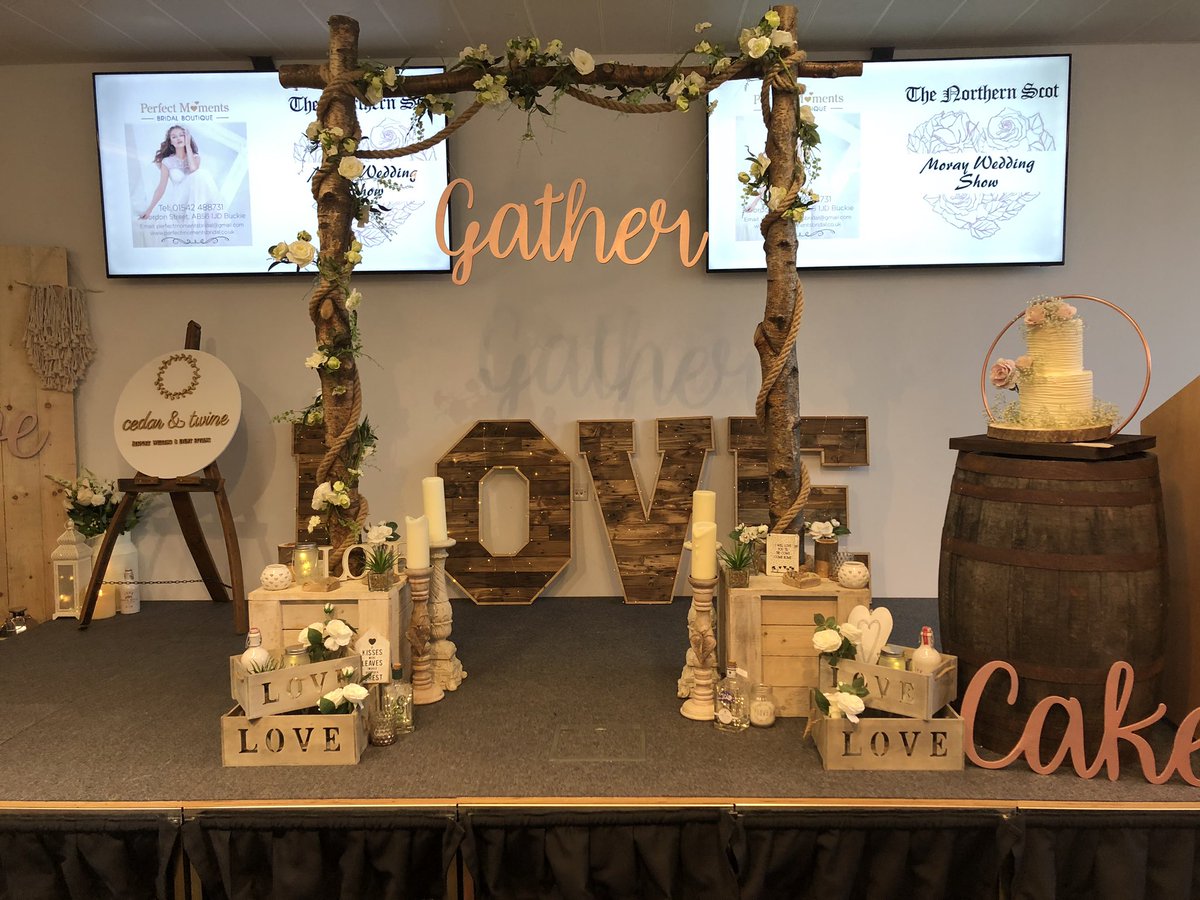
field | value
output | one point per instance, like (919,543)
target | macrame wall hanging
(58,335)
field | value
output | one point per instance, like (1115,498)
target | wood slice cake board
(1049,435)
(1108,448)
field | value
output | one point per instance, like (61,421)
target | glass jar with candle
(305,560)
(892,657)
(295,655)
(762,706)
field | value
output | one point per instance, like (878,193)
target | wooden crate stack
(909,724)
(268,727)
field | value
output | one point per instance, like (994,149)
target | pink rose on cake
(1004,374)
(1065,311)
(1035,315)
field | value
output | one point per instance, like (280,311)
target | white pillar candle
(704,550)
(704,506)
(433,489)
(417,542)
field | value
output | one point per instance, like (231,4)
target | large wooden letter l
(646,538)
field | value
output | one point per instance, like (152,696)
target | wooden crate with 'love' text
(286,690)
(903,692)
(884,743)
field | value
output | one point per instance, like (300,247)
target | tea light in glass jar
(305,561)
(762,706)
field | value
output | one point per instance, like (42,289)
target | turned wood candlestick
(448,672)
(702,652)
(424,689)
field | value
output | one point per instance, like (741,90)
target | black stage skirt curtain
(86,856)
(322,855)
(883,854)
(1107,856)
(600,855)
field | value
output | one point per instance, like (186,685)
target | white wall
(557,343)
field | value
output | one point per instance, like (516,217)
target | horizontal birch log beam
(605,75)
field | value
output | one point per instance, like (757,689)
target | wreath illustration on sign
(165,366)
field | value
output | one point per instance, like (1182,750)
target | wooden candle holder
(448,671)
(702,654)
(425,691)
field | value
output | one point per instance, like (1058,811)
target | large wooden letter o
(518,444)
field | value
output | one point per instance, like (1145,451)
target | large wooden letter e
(646,538)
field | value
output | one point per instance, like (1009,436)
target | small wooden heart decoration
(876,628)
(372,641)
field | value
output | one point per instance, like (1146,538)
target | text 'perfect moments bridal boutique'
(580,451)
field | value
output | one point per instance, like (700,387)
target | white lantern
(70,570)
(306,562)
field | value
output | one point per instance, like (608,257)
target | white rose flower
(377,534)
(757,46)
(759,166)
(354,299)
(582,61)
(301,253)
(389,76)
(806,115)
(343,501)
(554,48)
(695,84)
(781,38)
(313,523)
(355,693)
(820,529)
(337,634)
(84,495)
(313,130)
(336,696)
(852,633)
(350,167)
(98,500)
(851,705)
(374,92)
(316,360)
(827,640)
(674,89)
(721,65)
(771,18)
(702,27)
(776,197)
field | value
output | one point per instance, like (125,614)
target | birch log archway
(343,80)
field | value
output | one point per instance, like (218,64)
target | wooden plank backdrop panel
(749,447)
(646,538)
(38,427)
(308,446)
(521,577)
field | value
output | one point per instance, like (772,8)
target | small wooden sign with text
(783,553)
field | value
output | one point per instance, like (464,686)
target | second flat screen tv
(922,163)
(251,189)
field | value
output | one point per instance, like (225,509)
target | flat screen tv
(944,162)
(252,187)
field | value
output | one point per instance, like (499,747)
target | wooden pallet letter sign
(646,538)
(841,442)
(519,577)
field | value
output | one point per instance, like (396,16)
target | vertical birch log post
(341,390)
(778,406)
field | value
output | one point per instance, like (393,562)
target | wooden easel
(180,491)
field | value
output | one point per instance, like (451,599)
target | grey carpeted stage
(566,698)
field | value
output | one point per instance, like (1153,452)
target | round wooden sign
(177,414)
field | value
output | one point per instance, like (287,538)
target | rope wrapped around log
(780,79)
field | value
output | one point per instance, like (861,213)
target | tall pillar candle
(704,506)
(704,550)
(416,542)
(433,491)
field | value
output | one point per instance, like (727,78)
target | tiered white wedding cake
(1055,389)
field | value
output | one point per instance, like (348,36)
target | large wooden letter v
(646,538)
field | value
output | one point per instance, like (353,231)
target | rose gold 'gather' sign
(575,216)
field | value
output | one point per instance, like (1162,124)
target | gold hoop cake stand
(1101,432)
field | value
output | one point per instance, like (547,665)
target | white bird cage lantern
(70,571)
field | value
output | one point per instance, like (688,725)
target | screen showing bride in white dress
(189,185)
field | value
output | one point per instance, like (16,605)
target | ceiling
(133,31)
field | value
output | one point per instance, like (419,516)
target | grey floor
(565,698)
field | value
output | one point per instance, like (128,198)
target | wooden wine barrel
(1057,567)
